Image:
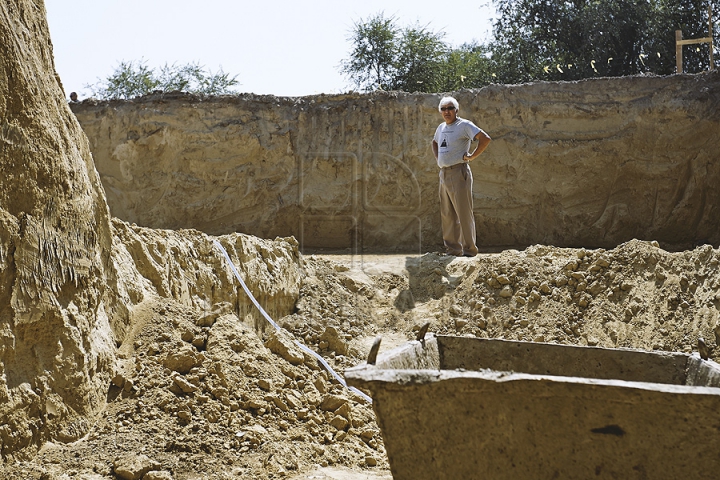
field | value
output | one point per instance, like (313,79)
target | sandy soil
(132,349)
(590,163)
(212,399)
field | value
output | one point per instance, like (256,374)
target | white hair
(446,100)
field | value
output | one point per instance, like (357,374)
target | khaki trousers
(456,210)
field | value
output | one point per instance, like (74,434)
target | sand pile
(129,352)
(207,396)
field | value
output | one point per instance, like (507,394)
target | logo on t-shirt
(444,143)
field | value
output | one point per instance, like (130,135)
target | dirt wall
(56,310)
(71,279)
(590,163)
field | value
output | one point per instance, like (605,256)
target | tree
(417,65)
(134,79)
(127,81)
(467,66)
(372,59)
(572,39)
(690,16)
(533,40)
(385,56)
(566,40)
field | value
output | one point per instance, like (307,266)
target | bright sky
(285,48)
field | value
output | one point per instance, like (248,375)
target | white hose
(277,327)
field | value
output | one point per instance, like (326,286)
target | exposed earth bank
(132,352)
(592,163)
(204,395)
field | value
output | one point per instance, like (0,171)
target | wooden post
(679,42)
(710,33)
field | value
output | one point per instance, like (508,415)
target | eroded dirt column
(56,344)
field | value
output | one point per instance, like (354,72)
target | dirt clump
(218,399)
(213,402)
(200,392)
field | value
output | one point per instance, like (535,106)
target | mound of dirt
(211,397)
(133,353)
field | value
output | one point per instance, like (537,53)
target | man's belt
(454,166)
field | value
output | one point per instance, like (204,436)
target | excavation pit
(461,407)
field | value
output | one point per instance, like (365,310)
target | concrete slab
(459,407)
(336,473)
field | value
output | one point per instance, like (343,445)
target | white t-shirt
(454,141)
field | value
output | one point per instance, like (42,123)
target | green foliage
(372,60)
(128,81)
(134,79)
(419,60)
(534,40)
(411,59)
(467,66)
(690,16)
(569,40)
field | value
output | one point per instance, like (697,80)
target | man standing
(451,146)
